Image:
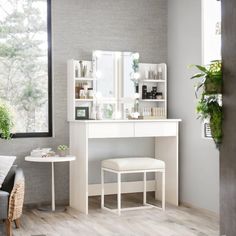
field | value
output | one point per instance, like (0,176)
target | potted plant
(210,103)
(62,150)
(6,122)
(211,77)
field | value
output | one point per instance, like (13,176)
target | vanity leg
(102,182)
(166,149)
(119,194)
(53,188)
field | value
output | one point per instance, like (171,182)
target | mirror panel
(105,73)
(127,70)
(113,72)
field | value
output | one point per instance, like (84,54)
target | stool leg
(119,193)
(102,183)
(144,188)
(163,191)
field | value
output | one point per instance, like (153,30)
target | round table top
(50,159)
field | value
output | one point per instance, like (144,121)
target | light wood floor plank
(175,221)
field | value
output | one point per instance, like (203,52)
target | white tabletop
(50,159)
(125,121)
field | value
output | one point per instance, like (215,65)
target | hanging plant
(210,104)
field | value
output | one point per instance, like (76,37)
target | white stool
(132,165)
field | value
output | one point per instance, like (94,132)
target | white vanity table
(119,83)
(165,132)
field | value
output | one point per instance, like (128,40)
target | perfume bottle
(99,114)
(160,73)
(144,91)
(76,71)
(78,87)
(93,113)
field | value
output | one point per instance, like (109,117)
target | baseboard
(95,190)
(126,187)
(202,210)
(45,203)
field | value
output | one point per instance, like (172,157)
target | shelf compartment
(84,100)
(152,81)
(84,79)
(152,100)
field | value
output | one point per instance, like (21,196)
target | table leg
(144,188)
(53,188)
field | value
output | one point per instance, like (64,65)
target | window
(211,23)
(25,65)
(211,30)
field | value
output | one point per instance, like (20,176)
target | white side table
(51,160)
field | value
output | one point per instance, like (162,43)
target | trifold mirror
(114,85)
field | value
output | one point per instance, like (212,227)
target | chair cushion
(133,163)
(6,163)
(3,204)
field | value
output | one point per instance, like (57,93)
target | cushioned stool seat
(129,164)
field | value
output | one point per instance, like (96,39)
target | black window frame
(50,125)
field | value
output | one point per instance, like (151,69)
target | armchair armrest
(3,204)
(16,199)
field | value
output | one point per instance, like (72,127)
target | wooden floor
(175,221)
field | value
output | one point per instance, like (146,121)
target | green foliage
(209,106)
(5,122)
(211,77)
(62,148)
(31,97)
(216,123)
(135,65)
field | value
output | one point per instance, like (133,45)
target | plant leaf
(198,75)
(202,68)
(197,88)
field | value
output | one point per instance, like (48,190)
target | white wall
(199,159)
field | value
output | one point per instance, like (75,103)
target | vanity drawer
(155,129)
(111,130)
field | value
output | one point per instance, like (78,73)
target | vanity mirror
(121,86)
(113,72)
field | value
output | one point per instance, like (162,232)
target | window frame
(50,125)
(203,45)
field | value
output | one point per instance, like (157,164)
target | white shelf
(152,81)
(84,79)
(84,100)
(152,100)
